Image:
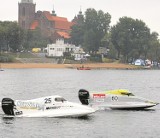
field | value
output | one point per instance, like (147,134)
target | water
(35,83)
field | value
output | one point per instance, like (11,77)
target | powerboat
(114,99)
(50,106)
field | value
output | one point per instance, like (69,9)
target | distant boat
(1,68)
(83,68)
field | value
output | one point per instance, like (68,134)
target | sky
(146,10)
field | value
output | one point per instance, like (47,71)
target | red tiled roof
(63,34)
(34,25)
(62,25)
(60,22)
(56,18)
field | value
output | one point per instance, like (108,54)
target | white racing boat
(51,106)
(114,99)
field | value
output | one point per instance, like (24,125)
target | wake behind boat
(51,106)
(114,99)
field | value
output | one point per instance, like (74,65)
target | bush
(95,58)
(6,58)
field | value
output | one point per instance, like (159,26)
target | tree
(35,39)
(15,36)
(77,34)
(11,35)
(154,51)
(96,25)
(129,36)
(90,30)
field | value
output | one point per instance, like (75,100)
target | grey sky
(146,10)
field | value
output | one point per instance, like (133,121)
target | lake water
(35,83)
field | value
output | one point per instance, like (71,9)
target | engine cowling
(83,96)
(8,106)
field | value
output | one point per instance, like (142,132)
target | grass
(26,55)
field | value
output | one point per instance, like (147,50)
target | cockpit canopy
(60,99)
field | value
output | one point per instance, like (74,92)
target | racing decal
(47,100)
(114,98)
(58,107)
(53,107)
(29,105)
(99,97)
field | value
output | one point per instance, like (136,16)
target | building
(57,49)
(51,25)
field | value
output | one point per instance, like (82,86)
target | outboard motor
(7,106)
(84,96)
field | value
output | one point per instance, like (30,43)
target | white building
(58,49)
(78,54)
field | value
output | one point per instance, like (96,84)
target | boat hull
(125,106)
(52,106)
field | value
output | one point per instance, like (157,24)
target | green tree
(12,36)
(34,38)
(154,51)
(130,37)
(15,36)
(96,25)
(90,30)
(77,34)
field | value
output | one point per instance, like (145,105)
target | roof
(53,18)
(63,34)
(61,25)
(34,25)
(60,22)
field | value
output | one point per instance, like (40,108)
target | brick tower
(26,13)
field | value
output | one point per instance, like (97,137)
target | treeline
(128,40)
(13,38)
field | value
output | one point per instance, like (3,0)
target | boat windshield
(127,93)
(60,99)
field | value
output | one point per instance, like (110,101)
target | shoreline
(71,66)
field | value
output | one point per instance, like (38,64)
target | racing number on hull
(114,98)
(47,100)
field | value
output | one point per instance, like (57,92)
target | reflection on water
(8,120)
(34,83)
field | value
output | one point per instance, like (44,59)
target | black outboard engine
(84,96)
(7,106)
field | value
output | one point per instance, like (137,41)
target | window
(60,99)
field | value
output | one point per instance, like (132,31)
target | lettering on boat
(29,105)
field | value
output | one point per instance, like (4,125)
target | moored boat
(83,68)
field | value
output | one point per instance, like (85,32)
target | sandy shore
(50,65)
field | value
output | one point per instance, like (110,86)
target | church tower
(26,13)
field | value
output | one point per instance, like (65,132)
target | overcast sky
(146,10)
